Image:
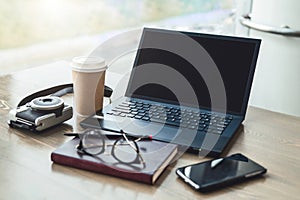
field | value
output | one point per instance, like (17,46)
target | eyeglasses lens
(124,151)
(93,142)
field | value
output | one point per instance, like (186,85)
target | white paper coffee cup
(88,75)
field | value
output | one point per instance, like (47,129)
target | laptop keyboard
(184,118)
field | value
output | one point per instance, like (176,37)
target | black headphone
(58,91)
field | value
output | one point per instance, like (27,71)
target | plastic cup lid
(88,64)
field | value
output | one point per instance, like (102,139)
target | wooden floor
(26,171)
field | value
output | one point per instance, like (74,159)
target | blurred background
(35,32)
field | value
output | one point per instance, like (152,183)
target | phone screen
(222,171)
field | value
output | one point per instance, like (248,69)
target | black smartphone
(213,174)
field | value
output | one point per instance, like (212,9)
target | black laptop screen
(192,69)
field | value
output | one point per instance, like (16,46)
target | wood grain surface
(26,172)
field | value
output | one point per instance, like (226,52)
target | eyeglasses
(124,147)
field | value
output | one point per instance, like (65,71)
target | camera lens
(46,103)
(46,100)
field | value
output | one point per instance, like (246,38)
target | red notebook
(156,155)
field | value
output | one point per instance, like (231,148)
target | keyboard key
(122,115)
(124,105)
(183,125)
(130,115)
(141,111)
(214,131)
(196,112)
(201,127)
(138,117)
(172,120)
(175,110)
(192,127)
(220,125)
(194,124)
(116,113)
(134,112)
(121,110)
(146,105)
(146,118)
(195,121)
(141,114)
(163,118)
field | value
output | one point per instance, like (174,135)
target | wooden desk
(26,171)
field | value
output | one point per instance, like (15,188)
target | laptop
(186,88)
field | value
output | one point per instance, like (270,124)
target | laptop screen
(193,69)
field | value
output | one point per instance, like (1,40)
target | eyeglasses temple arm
(112,136)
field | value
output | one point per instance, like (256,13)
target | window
(45,30)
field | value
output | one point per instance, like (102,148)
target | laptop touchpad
(158,131)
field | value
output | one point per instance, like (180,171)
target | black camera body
(41,113)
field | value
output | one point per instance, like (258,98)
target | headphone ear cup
(107,91)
